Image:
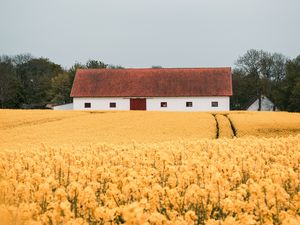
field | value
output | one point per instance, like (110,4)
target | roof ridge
(166,68)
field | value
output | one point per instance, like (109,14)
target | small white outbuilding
(68,106)
(266,105)
(160,89)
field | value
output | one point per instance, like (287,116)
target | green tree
(60,89)
(35,76)
(265,72)
(10,87)
(244,90)
(21,59)
(156,67)
(291,87)
(94,64)
(294,101)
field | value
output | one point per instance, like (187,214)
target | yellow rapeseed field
(92,167)
(35,127)
(266,124)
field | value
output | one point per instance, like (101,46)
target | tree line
(29,82)
(258,73)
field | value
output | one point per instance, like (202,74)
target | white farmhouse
(186,89)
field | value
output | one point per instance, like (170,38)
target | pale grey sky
(142,33)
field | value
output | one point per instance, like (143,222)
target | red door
(137,104)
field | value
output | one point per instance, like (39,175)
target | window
(112,105)
(214,104)
(163,104)
(87,105)
(189,104)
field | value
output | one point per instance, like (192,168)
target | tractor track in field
(219,127)
(234,131)
(36,122)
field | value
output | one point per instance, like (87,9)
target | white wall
(101,103)
(153,104)
(179,103)
(64,107)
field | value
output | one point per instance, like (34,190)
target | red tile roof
(152,82)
